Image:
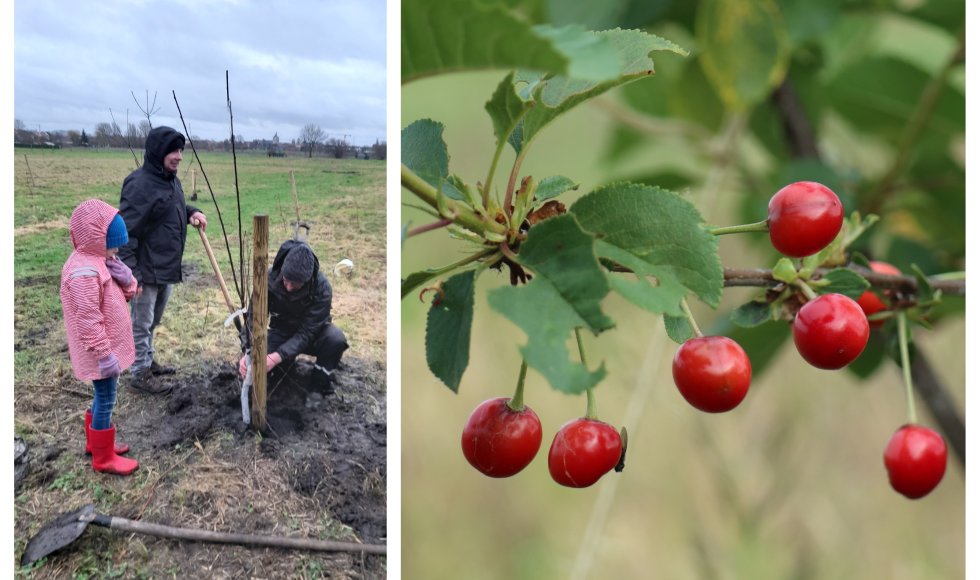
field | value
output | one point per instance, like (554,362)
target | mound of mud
(332,445)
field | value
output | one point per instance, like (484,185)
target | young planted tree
(749,104)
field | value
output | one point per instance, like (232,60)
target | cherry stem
(516,403)
(762,226)
(903,347)
(591,410)
(690,318)
(807,291)
(428,227)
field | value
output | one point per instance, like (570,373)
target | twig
(207,182)
(29,172)
(917,123)
(128,142)
(940,404)
(238,198)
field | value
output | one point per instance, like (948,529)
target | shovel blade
(57,534)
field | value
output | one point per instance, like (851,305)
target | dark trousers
(328,347)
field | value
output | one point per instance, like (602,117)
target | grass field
(343,201)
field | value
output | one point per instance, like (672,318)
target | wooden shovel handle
(162,531)
(217,271)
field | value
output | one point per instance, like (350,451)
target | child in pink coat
(94,289)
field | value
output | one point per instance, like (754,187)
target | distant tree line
(312,141)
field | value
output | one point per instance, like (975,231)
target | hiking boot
(158,369)
(145,382)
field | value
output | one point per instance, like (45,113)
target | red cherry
(804,217)
(916,460)
(869,302)
(500,441)
(712,373)
(830,331)
(583,451)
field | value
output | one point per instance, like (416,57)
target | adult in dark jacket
(299,314)
(152,204)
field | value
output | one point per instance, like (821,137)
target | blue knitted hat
(116,235)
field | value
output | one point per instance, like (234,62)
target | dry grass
(218,483)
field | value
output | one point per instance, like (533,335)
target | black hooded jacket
(152,204)
(300,315)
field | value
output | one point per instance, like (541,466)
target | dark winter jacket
(152,204)
(299,315)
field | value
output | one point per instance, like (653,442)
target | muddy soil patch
(331,446)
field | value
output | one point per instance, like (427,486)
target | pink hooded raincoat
(96,314)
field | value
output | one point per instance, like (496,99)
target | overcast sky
(289,64)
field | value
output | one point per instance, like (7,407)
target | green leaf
(844,281)
(752,314)
(425,153)
(744,49)
(554,95)
(678,328)
(447,331)
(562,255)
(856,93)
(416,279)
(659,227)
(662,295)
(553,186)
(441,36)
(506,108)
(548,320)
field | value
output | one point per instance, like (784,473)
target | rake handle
(159,530)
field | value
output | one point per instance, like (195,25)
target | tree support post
(260,316)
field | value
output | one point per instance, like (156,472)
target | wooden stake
(260,316)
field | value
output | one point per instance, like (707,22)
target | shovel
(217,271)
(68,527)
(246,385)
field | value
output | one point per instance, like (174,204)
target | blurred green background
(790,484)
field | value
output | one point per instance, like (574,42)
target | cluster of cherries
(713,373)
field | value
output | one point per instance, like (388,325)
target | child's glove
(109,366)
(119,271)
(243,366)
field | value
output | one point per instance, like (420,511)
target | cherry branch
(763,278)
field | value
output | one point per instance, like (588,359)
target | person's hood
(159,142)
(88,225)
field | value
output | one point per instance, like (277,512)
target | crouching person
(299,316)
(94,289)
